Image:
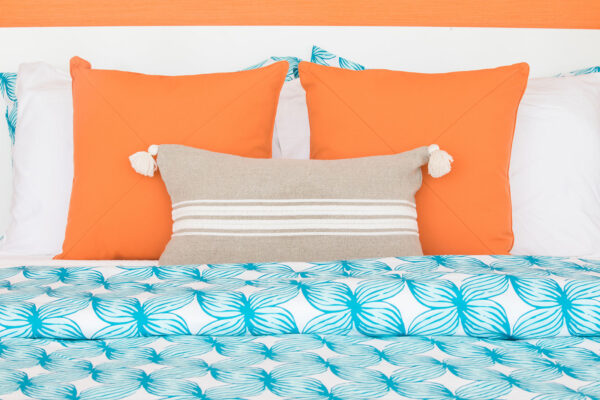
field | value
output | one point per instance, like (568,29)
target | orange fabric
(469,114)
(501,13)
(116,213)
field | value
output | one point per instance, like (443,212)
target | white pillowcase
(292,129)
(5,170)
(8,110)
(42,162)
(555,168)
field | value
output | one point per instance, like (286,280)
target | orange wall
(497,13)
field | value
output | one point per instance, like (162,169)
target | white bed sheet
(11,260)
(8,260)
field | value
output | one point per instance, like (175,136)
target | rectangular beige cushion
(230,209)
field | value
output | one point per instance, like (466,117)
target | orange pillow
(116,213)
(470,114)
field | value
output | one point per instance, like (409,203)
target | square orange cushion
(116,213)
(469,114)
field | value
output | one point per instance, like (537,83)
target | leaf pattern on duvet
(159,342)
(483,297)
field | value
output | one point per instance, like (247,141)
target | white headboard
(201,49)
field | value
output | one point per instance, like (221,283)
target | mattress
(443,327)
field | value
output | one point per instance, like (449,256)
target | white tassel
(439,161)
(143,162)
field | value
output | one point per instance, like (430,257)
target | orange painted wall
(490,13)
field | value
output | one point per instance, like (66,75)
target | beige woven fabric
(229,209)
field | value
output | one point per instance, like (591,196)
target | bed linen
(42,161)
(444,327)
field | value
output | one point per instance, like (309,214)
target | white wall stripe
(367,210)
(275,201)
(283,224)
(304,233)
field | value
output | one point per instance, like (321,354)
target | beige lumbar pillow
(230,209)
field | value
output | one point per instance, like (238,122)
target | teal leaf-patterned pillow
(8,122)
(8,83)
(292,61)
(320,56)
(584,71)
(323,57)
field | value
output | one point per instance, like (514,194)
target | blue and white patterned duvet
(453,327)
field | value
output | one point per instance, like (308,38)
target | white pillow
(5,170)
(291,133)
(8,109)
(555,168)
(42,161)
(292,130)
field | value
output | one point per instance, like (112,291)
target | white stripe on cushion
(284,224)
(304,233)
(367,201)
(400,210)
